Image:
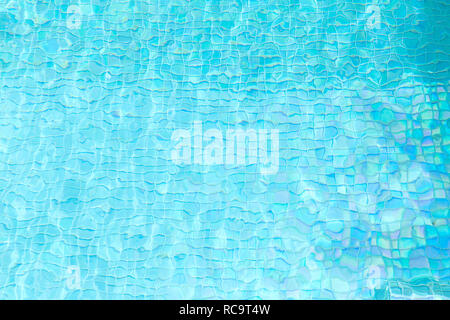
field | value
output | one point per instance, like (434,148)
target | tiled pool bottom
(92,205)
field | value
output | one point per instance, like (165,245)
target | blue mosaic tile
(115,173)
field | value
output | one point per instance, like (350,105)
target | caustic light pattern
(92,205)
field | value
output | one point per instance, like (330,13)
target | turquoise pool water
(92,205)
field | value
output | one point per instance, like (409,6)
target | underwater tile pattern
(92,207)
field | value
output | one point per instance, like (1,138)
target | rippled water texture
(92,206)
